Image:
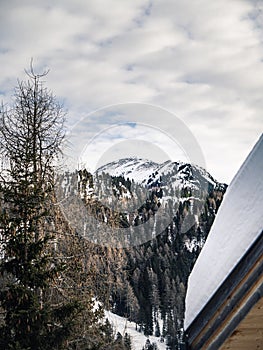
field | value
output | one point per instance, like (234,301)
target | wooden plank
(249,334)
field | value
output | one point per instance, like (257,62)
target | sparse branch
(31,72)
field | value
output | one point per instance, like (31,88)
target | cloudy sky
(196,62)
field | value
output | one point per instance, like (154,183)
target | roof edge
(230,303)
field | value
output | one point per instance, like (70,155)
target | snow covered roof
(237,226)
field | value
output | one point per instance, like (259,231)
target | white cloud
(124,140)
(202,60)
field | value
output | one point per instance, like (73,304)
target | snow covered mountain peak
(147,172)
(129,167)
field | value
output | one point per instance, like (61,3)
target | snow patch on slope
(122,325)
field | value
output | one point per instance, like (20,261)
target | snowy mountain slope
(237,225)
(131,191)
(146,172)
(136,169)
(122,325)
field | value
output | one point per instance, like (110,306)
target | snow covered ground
(237,225)
(120,324)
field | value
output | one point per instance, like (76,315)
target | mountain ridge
(145,172)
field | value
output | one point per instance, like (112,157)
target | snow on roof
(237,225)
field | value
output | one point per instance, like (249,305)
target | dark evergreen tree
(149,346)
(127,341)
(30,136)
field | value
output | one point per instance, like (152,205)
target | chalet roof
(236,230)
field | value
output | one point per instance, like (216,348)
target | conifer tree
(30,136)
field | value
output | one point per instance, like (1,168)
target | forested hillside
(147,279)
